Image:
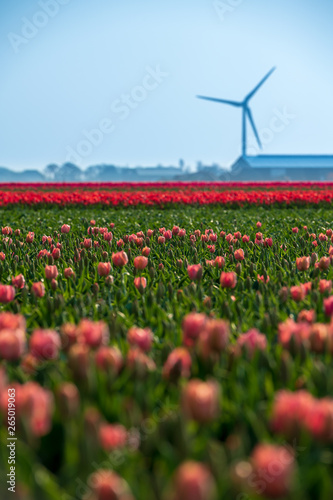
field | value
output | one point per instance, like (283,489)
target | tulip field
(177,349)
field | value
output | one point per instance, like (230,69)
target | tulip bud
(78,360)
(104,269)
(200,400)
(69,273)
(109,280)
(38,289)
(160,290)
(68,399)
(54,284)
(195,272)
(109,358)
(106,485)
(193,481)
(7,294)
(45,344)
(283,294)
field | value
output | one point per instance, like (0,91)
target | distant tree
(69,173)
(50,171)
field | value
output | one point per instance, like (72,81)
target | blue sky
(115,82)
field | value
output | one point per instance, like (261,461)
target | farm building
(283,168)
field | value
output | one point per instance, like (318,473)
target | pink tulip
(252,340)
(109,358)
(18,281)
(68,400)
(140,337)
(200,400)
(303,263)
(112,436)
(12,344)
(7,293)
(193,324)
(106,484)
(69,273)
(87,243)
(140,283)
(92,333)
(104,268)
(65,228)
(228,280)
(193,481)
(140,262)
(51,272)
(178,364)
(239,254)
(30,237)
(119,259)
(328,306)
(145,251)
(274,467)
(195,272)
(38,289)
(45,344)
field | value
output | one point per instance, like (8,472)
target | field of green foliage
(182,353)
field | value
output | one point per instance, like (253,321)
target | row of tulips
(230,194)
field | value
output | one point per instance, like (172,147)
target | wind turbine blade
(223,101)
(251,94)
(249,114)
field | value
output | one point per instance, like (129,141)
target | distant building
(158,173)
(283,168)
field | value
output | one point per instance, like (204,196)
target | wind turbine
(246,111)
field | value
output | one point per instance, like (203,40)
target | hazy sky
(131,70)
